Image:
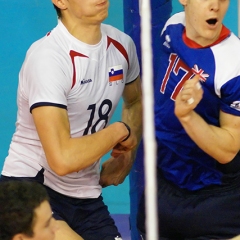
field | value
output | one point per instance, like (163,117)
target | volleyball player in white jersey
(69,86)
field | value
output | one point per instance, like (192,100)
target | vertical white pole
(148,122)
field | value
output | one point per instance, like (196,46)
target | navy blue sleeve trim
(132,81)
(41,104)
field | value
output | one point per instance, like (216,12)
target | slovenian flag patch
(115,73)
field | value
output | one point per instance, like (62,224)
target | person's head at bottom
(25,212)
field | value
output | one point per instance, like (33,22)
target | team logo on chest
(115,74)
(203,76)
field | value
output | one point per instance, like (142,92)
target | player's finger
(190,101)
(198,85)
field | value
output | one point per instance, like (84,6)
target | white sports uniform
(88,81)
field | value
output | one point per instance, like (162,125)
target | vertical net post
(148,120)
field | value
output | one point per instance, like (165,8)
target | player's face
(204,19)
(44,224)
(88,11)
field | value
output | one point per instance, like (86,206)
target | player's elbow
(60,170)
(228,157)
(59,166)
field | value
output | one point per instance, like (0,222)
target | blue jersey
(179,158)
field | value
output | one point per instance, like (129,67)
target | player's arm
(222,143)
(115,169)
(66,154)
(132,108)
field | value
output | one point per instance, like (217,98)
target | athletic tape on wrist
(129,131)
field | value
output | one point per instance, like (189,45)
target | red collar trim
(225,32)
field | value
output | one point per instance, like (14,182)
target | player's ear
(61,4)
(18,236)
(183,2)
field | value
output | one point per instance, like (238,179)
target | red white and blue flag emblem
(115,73)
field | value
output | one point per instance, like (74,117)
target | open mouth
(102,3)
(212,21)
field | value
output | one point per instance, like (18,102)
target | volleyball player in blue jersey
(197,118)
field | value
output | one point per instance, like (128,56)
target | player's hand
(189,97)
(115,170)
(125,146)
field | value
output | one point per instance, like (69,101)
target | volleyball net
(144,20)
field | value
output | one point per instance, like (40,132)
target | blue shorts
(211,213)
(89,218)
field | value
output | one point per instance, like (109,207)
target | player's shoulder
(227,58)
(235,39)
(37,45)
(175,19)
(44,48)
(230,46)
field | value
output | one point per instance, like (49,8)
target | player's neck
(87,33)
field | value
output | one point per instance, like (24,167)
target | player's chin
(115,154)
(103,15)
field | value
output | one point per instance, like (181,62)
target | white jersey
(88,81)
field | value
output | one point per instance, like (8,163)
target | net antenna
(148,122)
